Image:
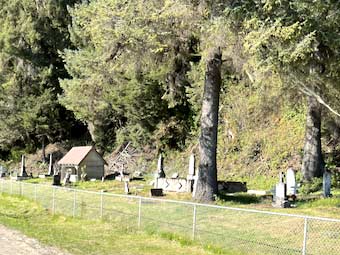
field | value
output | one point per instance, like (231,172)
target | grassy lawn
(80,236)
(312,204)
(243,230)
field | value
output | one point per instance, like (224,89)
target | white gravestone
(192,165)
(50,166)
(280,199)
(191,175)
(326,184)
(126,187)
(280,191)
(291,182)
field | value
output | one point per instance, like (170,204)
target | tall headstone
(23,172)
(50,166)
(191,175)
(195,184)
(160,169)
(192,165)
(126,187)
(326,184)
(280,197)
(291,182)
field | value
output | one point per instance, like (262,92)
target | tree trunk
(312,163)
(207,173)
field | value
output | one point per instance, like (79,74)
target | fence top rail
(186,203)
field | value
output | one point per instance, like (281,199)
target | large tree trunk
(207,174)
(312,163)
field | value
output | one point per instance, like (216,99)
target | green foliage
(30,37)
(132,67)
(310,187)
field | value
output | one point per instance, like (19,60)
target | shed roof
(76,155)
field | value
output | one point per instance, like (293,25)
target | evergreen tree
(31,34)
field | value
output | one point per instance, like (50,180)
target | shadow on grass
(240,198)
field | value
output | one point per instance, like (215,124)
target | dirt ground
(14,243)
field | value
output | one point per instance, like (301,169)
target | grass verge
(79,236)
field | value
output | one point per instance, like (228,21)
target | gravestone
(126,187)
(192,165)
(156,192)
(3,171)
(326,183)
(194,189)
(23,172)
(280,197)
(56,180)
(50,166)
(291,182)
(160,169)
(67,179)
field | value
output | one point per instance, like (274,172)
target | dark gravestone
(56,180)
(156,192)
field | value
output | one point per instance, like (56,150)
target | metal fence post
(139,212)
(305,237)
(194,223)
(53,200)
(101,204)
(74,203)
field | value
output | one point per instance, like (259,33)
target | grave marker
(280,196)
(50,166)
(326,183)
(160,170)
(23,172)
(126,187)
(291,182)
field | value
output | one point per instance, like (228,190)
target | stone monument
(280,197)
(160,169)
(326,183)
(126,187)
(291,182)
(23,172)
(50,166)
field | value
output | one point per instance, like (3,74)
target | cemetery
(84,167)
(115,192)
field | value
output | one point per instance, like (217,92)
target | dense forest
(171,74)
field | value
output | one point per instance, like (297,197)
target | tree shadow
(241,198)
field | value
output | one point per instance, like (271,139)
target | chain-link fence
(241,231)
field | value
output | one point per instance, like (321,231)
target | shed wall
(94,165)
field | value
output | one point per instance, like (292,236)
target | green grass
(248,232)
(313,204)
(80,236)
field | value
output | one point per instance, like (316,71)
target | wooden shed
(82,159)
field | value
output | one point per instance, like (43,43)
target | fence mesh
(239,230)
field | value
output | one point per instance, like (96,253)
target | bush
(310,187)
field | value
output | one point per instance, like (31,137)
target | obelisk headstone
(160,169)
(23,172)
(191,175)
(50,166)
(126,187)
(326,184)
